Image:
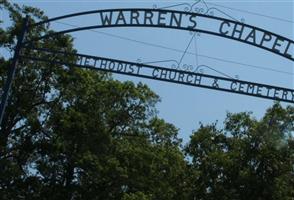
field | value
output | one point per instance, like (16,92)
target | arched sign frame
(171,19)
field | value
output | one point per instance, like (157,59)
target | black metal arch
(253,89)
(158,73)
(161,26)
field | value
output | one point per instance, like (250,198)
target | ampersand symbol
(215,83)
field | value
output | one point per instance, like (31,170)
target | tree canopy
(71,133)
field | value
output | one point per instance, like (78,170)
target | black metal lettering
(120,67)
(160,73)
(251,35)
(86,61)
(266,37)
(181,77)
(111,65)
(153,72)
(135,17)
(174,75)
(192,19)
(287,53)
(197,80)
(222,26)
(268,91)
(148,15)
(259,91)
(250,87)
(139,68)
(277,44)
(95,62)
(227,28)
(238,31)
(80,59)
(285,95)
(187,78)
(215,83)
(120,18)
(103,64)
(163,73)
(131,67)
(234,86)
(276,93)
(162,18)
(176,20)
(241,87)
(106,19)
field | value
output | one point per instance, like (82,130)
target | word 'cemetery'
(188,78)
(176,76)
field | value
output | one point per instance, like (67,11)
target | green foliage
(249,159)
(136,196)
(71,133)
(78,134)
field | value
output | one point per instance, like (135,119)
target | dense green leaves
(70,133)
(249,159)
(79,134)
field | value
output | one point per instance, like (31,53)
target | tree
(71,133)
(248,159)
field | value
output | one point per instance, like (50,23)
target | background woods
(71,133)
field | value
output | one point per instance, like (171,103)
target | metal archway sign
(168,19)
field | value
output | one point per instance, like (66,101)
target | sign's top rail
(154,10)
(181,20)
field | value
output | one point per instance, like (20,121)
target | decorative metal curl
(200,70)
(187,6)
(173,64)
(195,7)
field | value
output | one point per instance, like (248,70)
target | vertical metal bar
(12,69)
